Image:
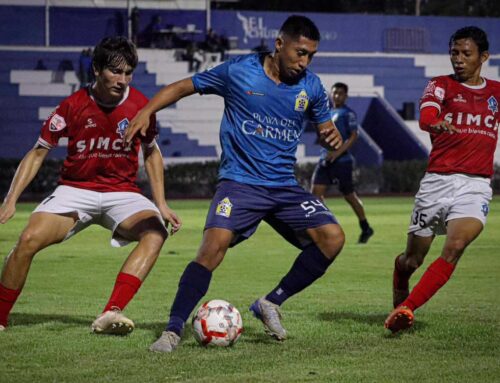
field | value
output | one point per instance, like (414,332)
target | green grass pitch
(335,327)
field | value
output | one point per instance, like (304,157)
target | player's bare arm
(431,121)
(346,145)
(26,171)
(329,136)
(153,162)
(168,95)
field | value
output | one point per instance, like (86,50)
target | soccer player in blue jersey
(269,98)
(337,165)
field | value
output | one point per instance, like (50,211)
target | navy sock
(364,225)
(310,265)
(193,285)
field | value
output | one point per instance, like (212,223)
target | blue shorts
(328,173)
(289,210)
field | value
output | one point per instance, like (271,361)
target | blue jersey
(346,122)
(263,121)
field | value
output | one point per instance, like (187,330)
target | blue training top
(346,122)
(262,121)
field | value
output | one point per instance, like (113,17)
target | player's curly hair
(112,52)
(476,34)
(296,26)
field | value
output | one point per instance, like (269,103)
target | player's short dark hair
(296,26)
(342,86)
(113,52)
(476,34)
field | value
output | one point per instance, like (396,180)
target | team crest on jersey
(224,208)
(301,101)
(122,126)
(439,93)
(57,123)
(493,104)
(485,209)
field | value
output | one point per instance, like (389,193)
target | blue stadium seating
(20,125)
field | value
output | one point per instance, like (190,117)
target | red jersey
(473,110)
(97,157)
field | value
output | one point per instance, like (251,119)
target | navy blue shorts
(289,210)
(328,173)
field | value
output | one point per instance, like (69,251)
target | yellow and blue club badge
(301,101)
(224,208)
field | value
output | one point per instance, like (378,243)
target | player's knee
(331,241)
(153,240)
(30,241)
(453,249)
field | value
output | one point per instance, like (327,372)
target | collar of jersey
(480,86)
(124,98)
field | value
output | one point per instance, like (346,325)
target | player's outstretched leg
(309,266)
(270,316)
(112,321)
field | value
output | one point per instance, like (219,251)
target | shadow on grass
(373,319)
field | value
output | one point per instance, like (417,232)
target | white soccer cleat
(167,342)
(2,328)
(270,316)
(112,322)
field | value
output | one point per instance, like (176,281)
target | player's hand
(171,218)
(330,138)
(139,123)
(443,126)
(7,211)
(332,156)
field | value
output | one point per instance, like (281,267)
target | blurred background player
(97,184)
(337,165)
(460,112)
(268,98)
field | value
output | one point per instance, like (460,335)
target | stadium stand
(380,86)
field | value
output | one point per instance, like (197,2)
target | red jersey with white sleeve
(473,110)
(98,159)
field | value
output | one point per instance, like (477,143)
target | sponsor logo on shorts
(485,209)
(122,126)
(224,208)
(493,104)
(301,101)
(57,123)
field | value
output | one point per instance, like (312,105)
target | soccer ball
(217,323)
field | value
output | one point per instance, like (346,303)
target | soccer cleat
(167,342)
(270,315)
(2,328)
(365,235)
(401,318)
(112,322)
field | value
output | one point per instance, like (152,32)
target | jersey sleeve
(151,133)
(320,108)
(214,80)
(434,94)
(352,122)
(56,126)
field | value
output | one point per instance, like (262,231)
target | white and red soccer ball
(217,323)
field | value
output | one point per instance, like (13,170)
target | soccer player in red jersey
(460,112)
(97,184)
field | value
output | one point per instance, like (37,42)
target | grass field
(335,327)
